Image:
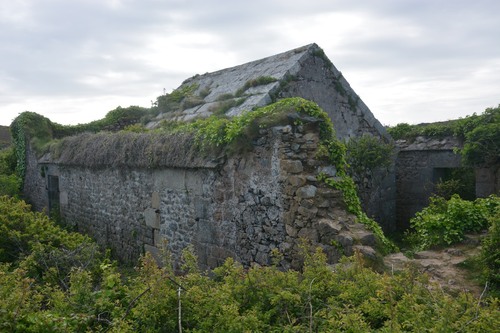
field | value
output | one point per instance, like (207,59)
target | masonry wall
(321,82)
(487,181)
(415,173)
(245,207)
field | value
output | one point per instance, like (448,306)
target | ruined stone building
(245,205)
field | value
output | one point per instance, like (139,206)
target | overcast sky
(409,60)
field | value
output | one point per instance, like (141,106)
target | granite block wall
(248,205)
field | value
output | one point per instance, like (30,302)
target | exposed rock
(328,229)
(366,251)
(292,166)
(305,192)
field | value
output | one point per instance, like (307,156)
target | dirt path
(443,265)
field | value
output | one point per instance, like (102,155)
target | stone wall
(245,207)
(303,72)
(487,181)
(322,83)
(35,184)
(416,166)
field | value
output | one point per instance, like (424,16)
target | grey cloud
(66,48)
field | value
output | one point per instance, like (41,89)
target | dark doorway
(53,191)
(449,181)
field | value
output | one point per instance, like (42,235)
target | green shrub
(346,298)
(10,185)
(479,133)
(8,161)
(490,251)
(445,222)
(24,233)
(482,145)
(179,99)
(365,154)
(400,131)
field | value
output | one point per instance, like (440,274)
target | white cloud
(409,60)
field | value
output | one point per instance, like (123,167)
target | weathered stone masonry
(418,168)
(244,207)
(303,72)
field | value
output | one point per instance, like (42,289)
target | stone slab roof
(429,143)
(226,82)
(302,72)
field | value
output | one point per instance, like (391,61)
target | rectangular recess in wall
(53,194)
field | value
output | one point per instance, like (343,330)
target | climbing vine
(29,128)
(480,135)
(218,131)
(346,185)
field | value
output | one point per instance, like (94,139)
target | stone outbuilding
(243,206)
(303,72)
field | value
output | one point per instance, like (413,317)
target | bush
(366,154)
(490,251)
(10,185)
(346,298)
(479,133)
(37,241)
(482,146)
(445,222)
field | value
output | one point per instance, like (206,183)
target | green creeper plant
(445,222)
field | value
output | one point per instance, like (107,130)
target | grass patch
(259,81)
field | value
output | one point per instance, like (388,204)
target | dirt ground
(443,265)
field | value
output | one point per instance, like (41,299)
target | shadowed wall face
(263,200)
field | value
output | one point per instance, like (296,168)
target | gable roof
(233,90)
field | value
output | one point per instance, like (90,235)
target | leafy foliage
(366,154)
(480,134)
(490,250)
(22,232)
(482,146)
(10,183)
(182,98)
(97,297)
(445,222)
(217,131)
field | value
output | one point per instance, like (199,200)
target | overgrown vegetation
(180,99)
(10,183)
(238,131)
(53,280)
(490,252)
(30,128)
(480,135)
(445,222)
(217,131)
(91,294)
(366,154)
(133,148)
(259,81)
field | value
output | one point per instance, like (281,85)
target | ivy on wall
(221,132)
(479,133)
